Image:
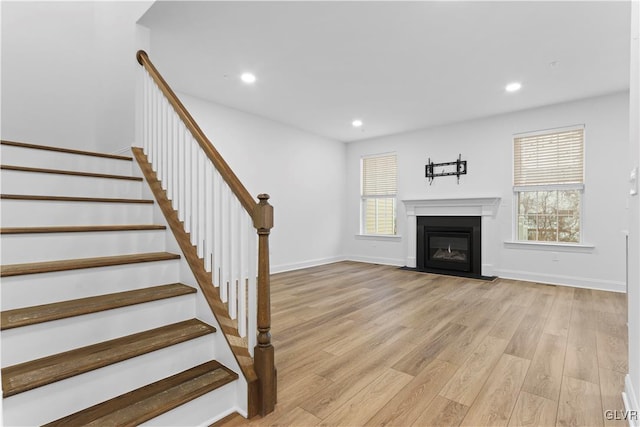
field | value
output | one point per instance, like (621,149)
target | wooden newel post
(263,354)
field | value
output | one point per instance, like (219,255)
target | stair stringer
(223,352)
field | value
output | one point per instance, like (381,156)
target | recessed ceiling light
(356,123)
(513,87)
(248,78)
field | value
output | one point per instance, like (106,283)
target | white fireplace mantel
(485,207)
(460,206)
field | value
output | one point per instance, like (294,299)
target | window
(379,186)
(548,185)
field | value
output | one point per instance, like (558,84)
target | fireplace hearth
(449,244)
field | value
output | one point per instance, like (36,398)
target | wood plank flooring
(364,344)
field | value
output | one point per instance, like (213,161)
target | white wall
(303,173)
(487,146)
(632,383)
(68,73)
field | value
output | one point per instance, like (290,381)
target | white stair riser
(21,248)
(203,411)
(44,339)
(18,156)
(53,401)
(49,184)
(35,289)
(30,213)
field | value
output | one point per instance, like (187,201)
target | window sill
(379,237)
(550,246)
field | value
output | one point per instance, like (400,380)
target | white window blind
(379,175)
(550,158)
(379,187)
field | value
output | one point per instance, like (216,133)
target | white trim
(548,187)
(124,150)
(375,260)
(487,270)
(484,207)
(549,246)
(379,237)
(387,153)
(550,130)
(474,206)
(305,264)
(553,279)
(630,401)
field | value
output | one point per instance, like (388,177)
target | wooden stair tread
(64,150)
(81,263)
(29,375)
(80,228)
(145,403)
(60,310)
(68,172)
(71,199)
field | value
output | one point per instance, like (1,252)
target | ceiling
(397,66)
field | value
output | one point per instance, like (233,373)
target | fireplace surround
(484,207)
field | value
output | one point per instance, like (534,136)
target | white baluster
(167,161)
(187,182)
(208,208)
(217,226)
(224,244)
(194,191)
(163,138)
(170,143)
(176,173)
(183,171)
(242,289)
(234,240)
(149,115)
(145,109)
(165,146)
(201,211)
(156,130)
(154,133)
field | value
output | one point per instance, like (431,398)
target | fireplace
(485,209)
(449,244)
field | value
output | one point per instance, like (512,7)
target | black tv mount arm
(461,169)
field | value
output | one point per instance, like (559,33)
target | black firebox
(449,244)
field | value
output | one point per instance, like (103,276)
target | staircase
(102,320)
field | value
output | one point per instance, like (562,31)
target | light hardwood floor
(364,344)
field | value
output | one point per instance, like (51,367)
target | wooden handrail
(228,175)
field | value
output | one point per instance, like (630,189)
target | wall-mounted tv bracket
(460,169)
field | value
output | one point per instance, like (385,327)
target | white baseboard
(305,264)
(375,260)
(631,403)
(322,261)
(552,279)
